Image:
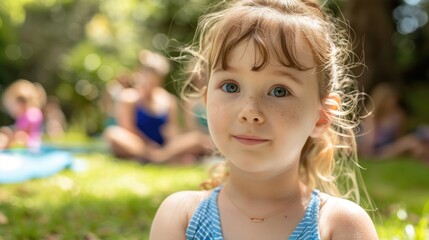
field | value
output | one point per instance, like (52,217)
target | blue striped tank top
(205,222)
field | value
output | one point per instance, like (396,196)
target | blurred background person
(55,120)
(385,131)
(110,95)
(147,119)
(194,108)
(23,101)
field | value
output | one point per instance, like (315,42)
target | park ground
(116,199)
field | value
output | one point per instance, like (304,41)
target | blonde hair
(33,94)
(329,162)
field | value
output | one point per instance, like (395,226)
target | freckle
(221,109)
(285,114)
(271,107)
(288,114)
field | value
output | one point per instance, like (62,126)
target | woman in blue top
(147,128)
(280,108)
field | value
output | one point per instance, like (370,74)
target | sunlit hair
(26,92)
(328,163)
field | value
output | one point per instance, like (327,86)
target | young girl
(23,101)
(280,109)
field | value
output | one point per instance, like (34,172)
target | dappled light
(410,16)
(89,60)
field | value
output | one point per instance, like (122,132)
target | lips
(249,140)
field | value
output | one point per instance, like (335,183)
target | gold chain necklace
(262,219)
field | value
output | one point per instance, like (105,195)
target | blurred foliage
(74,47)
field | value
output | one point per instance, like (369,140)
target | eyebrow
(220,69)
(275,72)
(289,75)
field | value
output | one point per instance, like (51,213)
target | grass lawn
(115,199)
(112,199)
(400,190)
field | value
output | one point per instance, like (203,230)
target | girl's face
(260,120)
(16,108)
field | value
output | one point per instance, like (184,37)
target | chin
(253,167)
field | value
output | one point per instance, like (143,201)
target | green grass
(400,190)
(111,200)
(115,199)
(401,181)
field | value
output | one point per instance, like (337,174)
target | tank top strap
(308,228)
(205,222)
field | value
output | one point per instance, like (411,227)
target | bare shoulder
(164,98)
(344,219)
(184,201)
(173,215)
(162,92)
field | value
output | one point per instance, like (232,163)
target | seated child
(23,101)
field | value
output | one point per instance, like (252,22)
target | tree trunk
(372,24)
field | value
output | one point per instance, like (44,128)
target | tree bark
(371,21)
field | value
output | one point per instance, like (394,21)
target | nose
(250,113)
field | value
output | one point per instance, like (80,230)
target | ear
(330,106)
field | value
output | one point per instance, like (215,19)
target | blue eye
(230,87)
(279,92)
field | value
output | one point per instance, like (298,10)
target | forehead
(250,52)
(287,41)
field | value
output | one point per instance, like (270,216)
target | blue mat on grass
(19,165)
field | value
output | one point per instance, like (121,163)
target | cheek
(292,119)
(292,129)
(217,113)
(289,114)
(282,113)
(219,121)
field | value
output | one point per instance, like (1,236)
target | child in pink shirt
(23,101)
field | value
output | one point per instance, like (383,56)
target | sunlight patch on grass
(110,199)
(405,225)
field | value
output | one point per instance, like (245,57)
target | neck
(264,198)
(147,97)
(265,187)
